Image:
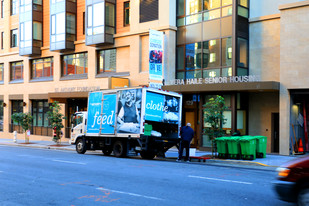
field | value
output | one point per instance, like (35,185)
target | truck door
(108,114)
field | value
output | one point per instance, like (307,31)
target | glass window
(227,11)
(193,74)
(110,18)
(70,23)
(211,73)
(14,38)
(14,7)
(193,6)
(214,14)
(42,68)
(180,7)
(2,39)
(2,8)
(193,56)
(242,52)
(243,12)
(39,113)
(180,58)
(17,106)
(98,13)
(126,13)
(26,34)
(211,54)
(75,64)
(107,61)
(16,71)
(243,3)
(193,19)
(226,2)
(227,72)
(37,31)
(211,4)
(227,51)
(1,72)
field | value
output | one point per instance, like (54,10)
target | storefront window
(39,113)
(17,106)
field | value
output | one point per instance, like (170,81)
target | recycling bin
(261,145)
(233,146)
(248,147)
(221,147)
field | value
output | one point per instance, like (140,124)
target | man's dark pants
(184,144)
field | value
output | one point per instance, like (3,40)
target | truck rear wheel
(120,149)
(80,146)
(147,155)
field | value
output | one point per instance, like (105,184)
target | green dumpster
(248,147)
(221,147)
(261,145)
(233,146)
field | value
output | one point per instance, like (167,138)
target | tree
(55,118)
(25,121)
(214,118)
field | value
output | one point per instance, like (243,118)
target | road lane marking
(129,193)
(79,163)
(222,180)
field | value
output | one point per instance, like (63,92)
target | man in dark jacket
(187,135)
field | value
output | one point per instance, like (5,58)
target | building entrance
(74,105)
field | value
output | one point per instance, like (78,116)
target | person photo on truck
(187,134)
(129,115)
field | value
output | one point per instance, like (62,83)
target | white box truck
(128,121)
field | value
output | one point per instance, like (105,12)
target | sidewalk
(271,160)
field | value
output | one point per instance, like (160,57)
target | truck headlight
(283,172)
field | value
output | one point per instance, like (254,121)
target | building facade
(59,50)
(251,52)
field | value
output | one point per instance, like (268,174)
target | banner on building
(155,55)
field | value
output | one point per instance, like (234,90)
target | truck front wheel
(80,146)
(119,149)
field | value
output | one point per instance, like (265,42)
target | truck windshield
(77,119)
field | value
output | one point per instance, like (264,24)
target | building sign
(155,55)
(77,89)
(216,80)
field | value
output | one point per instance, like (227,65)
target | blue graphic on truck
(161,108)
(98,118)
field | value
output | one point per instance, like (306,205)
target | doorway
(190,116)
(275,133)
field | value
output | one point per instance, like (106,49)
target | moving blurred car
(292,184)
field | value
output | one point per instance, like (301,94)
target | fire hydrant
(15,136)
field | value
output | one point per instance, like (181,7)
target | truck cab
(78,121)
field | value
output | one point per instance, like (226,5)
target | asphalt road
(52,177)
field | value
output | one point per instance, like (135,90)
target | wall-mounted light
(4,104)
(24,104)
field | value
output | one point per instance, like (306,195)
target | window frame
(102,70)
(13,67)
(65,59)
(14,7)
(35,62)
(125,9)
(2,72)
(14,38)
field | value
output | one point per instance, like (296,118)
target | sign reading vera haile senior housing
(155,55)
(95,119)
(216,80)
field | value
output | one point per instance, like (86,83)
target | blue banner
(94,111)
